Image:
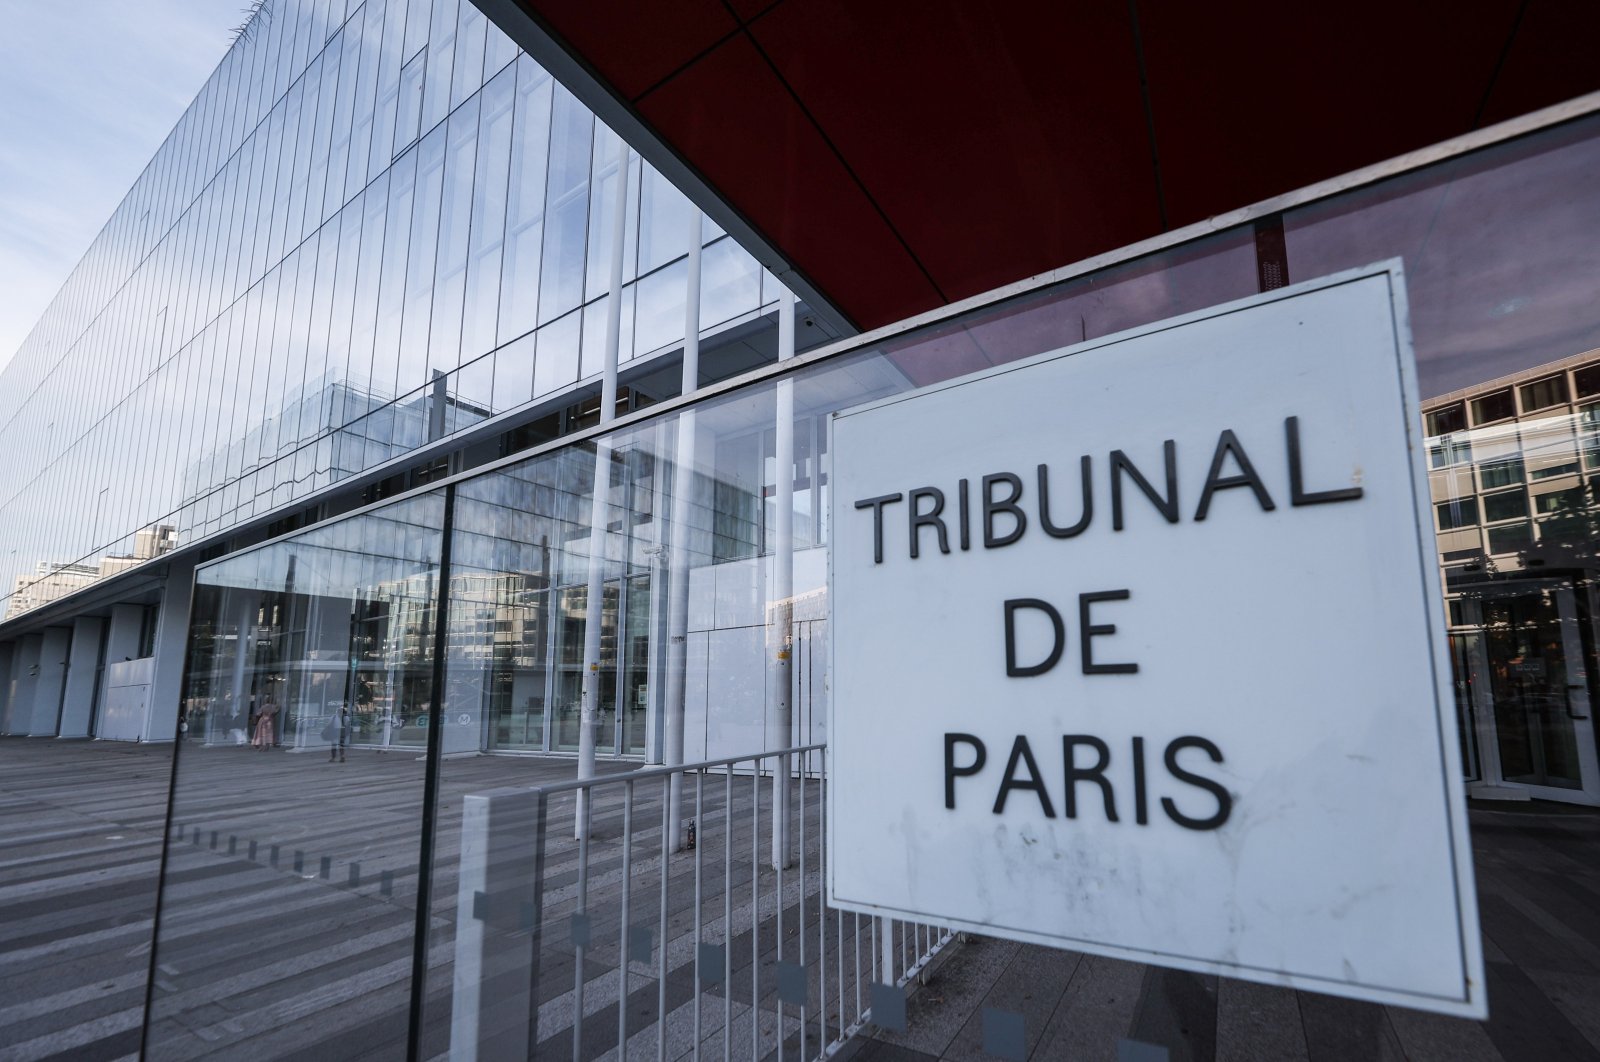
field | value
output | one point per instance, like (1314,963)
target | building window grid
(224,223)
(1569,418)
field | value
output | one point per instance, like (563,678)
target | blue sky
(88,90)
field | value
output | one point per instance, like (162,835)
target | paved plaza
(318,884)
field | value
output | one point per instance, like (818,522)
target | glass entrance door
(1524,661)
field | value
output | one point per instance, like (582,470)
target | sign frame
(1470,1001)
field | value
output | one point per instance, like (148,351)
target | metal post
(661,931)
(699,886)
(624,930)
(780,628)
(755,908)
(578,950)
(430,780)
(886,944)
(727,913)
(678,569)
(589,713)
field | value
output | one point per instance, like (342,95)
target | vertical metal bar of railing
(822,909)
(727,914)
(579,950)
(661,964)
(755,907)
(842,968)
(699,817)
(624,929)
(781,817)
(872,930)
(886,948)
(857,943)
(800,909)
(536,938)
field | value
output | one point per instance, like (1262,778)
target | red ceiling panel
(748,10)
(905,154)
(1556,56)
(745,133)
(637,47)
(1254,99)
(1000,141)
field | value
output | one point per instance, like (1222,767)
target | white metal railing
(615,943)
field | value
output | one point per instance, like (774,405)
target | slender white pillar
(7,652)
(54,652)
(589,713)
(122,645)
(172,641)
(24,681)
(682,515)
(78,700)
(780,610)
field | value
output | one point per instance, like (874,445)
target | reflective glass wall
(285,885)
(377,224)
(675,569)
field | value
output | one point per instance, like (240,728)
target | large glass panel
(455,225)
(664,225)
(288,914)
(1517,531)
(731,283)
(482,298)
(519,285)
(424,248)
(561,277)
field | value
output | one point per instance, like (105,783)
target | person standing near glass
(337,733)
(266,725)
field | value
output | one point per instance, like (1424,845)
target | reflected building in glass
(1512,471)
(380,229)
(402,425)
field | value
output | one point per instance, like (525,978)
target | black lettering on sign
(1298,495)
(930,518)
(1015,670)
(1223,798)
(1021,753)
(1095,773)
(1166,505)
(952,772)
(1005,505)
(1088,502)
(1089,630)
(1228,443)
(876,505)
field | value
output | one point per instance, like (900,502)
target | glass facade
(674,519)
(378,224)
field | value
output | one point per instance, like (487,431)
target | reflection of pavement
(80,851)
(260,949)
(1539,896)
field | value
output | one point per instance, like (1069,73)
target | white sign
(1138,650)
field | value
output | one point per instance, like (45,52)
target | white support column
(172,642)
(495,969)
(25,672)
(122,644)
(589,713)
(54,651)
(780,609)
(7,653)
(682,515)
(244,620)
(79,699)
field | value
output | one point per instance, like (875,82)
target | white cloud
(90,91)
